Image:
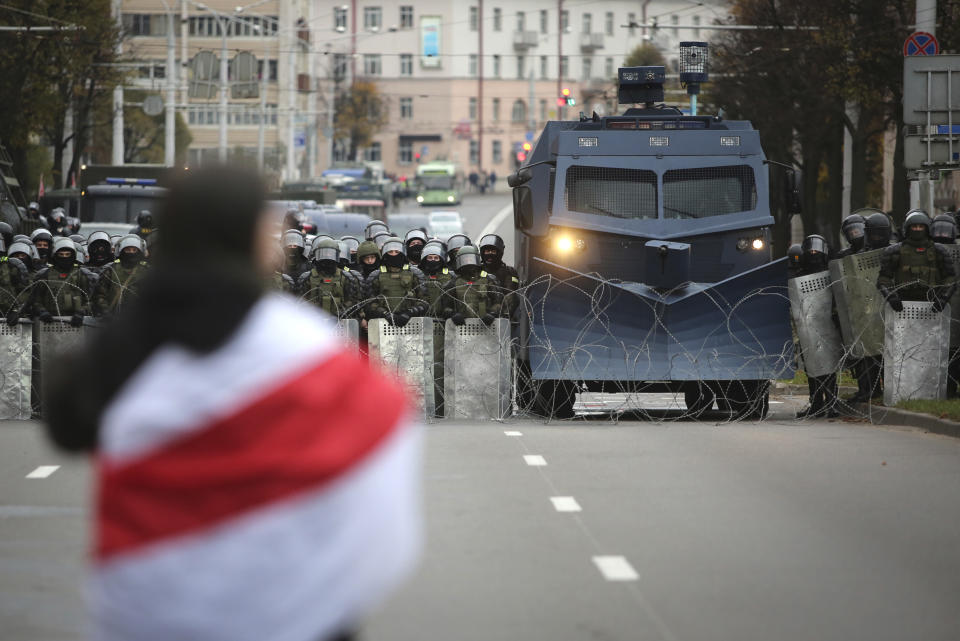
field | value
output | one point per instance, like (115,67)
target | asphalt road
(781,530)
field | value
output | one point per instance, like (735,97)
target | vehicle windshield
(437,182)
(708,191)
(112,209)
(606,191)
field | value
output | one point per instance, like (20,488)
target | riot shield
(477,369)
(954,251)
(811,307)
(407,352)
(51,340)
(916,352)
(348,330)
(438,348)
(859,303)
(840,301)
(16,362)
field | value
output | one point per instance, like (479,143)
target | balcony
(524,40)
(590,42)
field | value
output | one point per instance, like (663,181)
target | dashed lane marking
(565,504)
(43,471)
(615,568)
(534,460)
(513,433)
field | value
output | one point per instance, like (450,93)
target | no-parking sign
(921,43)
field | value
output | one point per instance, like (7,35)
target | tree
(645,55)
(360,113)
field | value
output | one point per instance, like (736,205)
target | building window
(340,19)
(474,18)
(473,109)
(405,153)
(521,21)
(472,66)
(587,67)
(608,68)
(543,110)
(138,24)
(521,64)
(339,66)
(406,108)
(497,152)
(371,64)
(696,32)
(608,23)
(496,66)
(632,20)
(406,16)
(564,20)
(496,110)
(587,22)
(474,152)
(406,64)
(271,70)
(497,19)
(544,66)
(519,112)
(544,21)
(564,67)
(372,18)
(372,153)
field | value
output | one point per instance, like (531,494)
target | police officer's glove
(76,320)
(447,313)
(400,319)
(13,317)
(458,319)
(45,316)
(387,316)
(488,319)
(895,302)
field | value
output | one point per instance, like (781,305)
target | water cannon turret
(694,69)
(640,84)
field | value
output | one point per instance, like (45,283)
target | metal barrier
(16,364)
(407,352)
(477,370)
(916,352)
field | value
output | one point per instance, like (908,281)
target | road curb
(881,415)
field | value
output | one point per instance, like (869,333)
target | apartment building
(462,80)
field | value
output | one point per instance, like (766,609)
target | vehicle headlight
(758,243)
(450,198)
(419,199)
(564,244)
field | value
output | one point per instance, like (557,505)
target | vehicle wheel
(699,398)
(554,399)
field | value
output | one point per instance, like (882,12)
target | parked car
(445,224)
(400,224)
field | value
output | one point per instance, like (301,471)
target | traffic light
(527,146)
(566,98)
(416,156)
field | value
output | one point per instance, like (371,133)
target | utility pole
(480,84)
(921,190)
(117,155)
(224,88)
(170,115)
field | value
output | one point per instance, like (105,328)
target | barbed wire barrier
(721,358)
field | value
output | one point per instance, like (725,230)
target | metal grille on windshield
(708,191)
(621,193)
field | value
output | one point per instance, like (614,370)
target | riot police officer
(380,238)
(794,254)
(916,268)
(117,283)
(414,242)
(368,258)
(491,251)
(57,219)
(397,289)
(62,288)
(373,228)
(13,278)
(822,389)
(100,250)
(295,263)
(327,285)
(943,230)
(853,229)
(433,264)
(878,230)
(42,239)
(145,225)
(23,251)
(352,245)
(454,243)
(473,293)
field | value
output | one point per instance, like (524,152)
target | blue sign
(529,136)
(921,43)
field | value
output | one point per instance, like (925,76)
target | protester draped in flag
(255,480)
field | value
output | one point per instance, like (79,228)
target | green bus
(437,184)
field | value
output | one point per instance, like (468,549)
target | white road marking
(615,568)
(513,433)
(534,460)
(491,227)
(43,471)
(776,402)
(565,504)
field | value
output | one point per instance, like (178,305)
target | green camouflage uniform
(116,286)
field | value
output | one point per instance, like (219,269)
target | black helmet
(878,230)
(373,228)
(794,254)
(944,229)
(915,217)
(467,256)
(145,219)
(852,228)
(815,253)
(492,241)
(454,243)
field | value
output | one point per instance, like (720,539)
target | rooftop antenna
(694,68)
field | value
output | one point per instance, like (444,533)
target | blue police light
(640,84)
(131,181)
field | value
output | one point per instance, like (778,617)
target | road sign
(921,43)
(153,105)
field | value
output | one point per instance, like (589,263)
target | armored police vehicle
(644,242)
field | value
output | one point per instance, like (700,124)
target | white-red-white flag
(268,490)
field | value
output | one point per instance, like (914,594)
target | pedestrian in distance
(254,479)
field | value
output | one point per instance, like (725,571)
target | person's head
(21,251)
(414,241)
(33,208)
(467,262)
(454,243)
(58,217)
(99,248)
(391,253)
(815,253)
(373,228)
(944,229)
(491,250)
(852,228)
(145,220)
(794,256)
(42,239)
(352,245)
(64,254)
(326,254)
(433,257)
(368,255)
(916,226)
(132,249)
(293,245)
(878,230)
